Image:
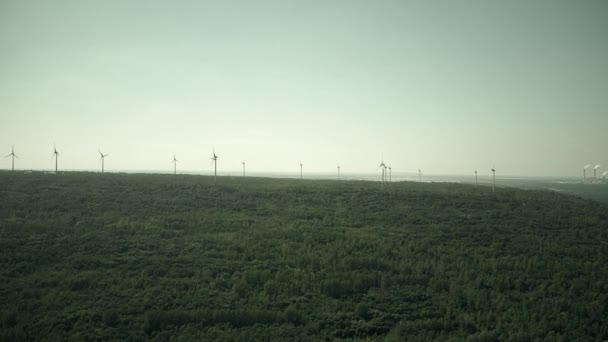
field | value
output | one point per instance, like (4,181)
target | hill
(157,257)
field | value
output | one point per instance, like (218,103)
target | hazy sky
(446,86)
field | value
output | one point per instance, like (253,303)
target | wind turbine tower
(214,161)
(338,171)
(174,161)
(383,167)
(385,173)
(390,174)
(243,169)
(301,170)
(102,158)
(475,177)
(56,156)
(419,176)
(13,155)
(493,179)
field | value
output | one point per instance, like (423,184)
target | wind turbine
(383,167)
(13,155)
(390,174)
(585,172)
(102,158)
(174,161)
(243,169)
(56,156)
(300,169)
(419,176)
(338,171)
(493,179)
(214,161)
(475,177)
(385,172)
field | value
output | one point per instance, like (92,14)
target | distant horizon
(316,174)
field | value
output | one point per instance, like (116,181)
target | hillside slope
(151,257)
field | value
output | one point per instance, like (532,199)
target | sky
(446,86)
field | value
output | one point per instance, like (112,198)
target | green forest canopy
(153,257)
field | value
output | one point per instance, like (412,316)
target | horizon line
(296,174)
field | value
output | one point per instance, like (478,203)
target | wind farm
(386,174)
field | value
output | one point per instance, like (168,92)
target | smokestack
(585,172)
(595,169)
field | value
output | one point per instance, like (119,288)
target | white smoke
(605,173)
(597,167)
(586,166)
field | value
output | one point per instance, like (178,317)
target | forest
(150,257)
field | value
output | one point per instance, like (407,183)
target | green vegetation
(158,257)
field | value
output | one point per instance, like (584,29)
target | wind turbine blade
(16,156)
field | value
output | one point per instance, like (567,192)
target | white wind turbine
(383,167)
(214,161)
(174,161)
(102,158)
(493,179)
(13,155)
(56,156)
